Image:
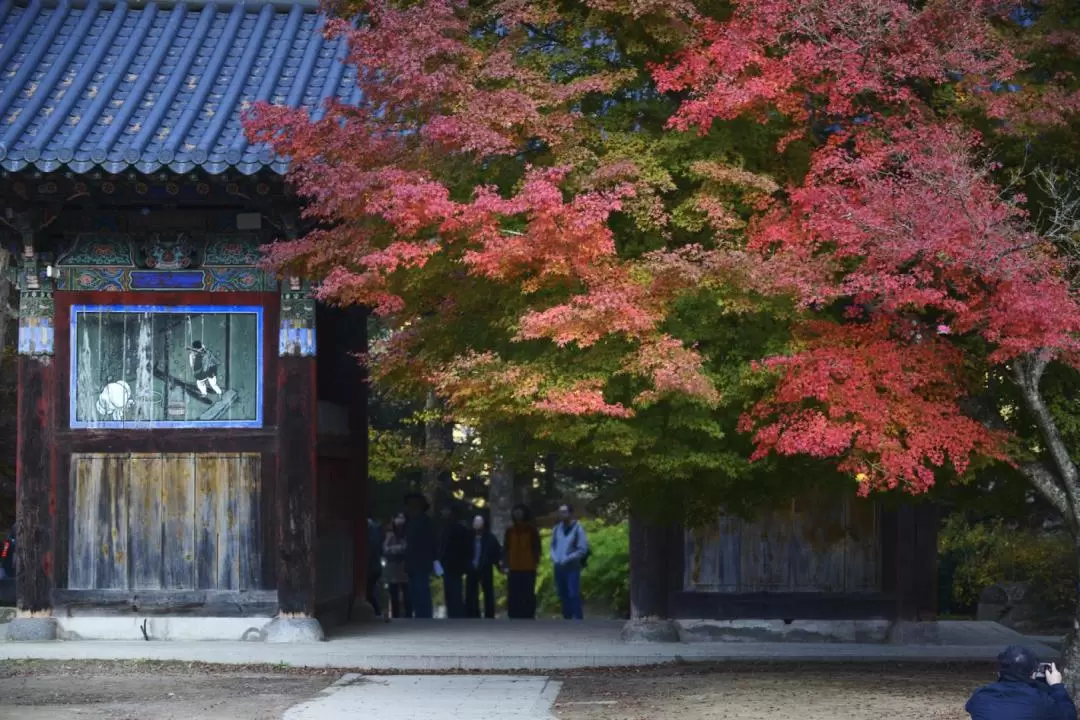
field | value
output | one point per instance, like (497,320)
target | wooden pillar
(356,324)
(296,457)
(926,563)
(652,555)
(35,481)
(904,563)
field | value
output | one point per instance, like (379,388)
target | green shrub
(605,583)
(983,554)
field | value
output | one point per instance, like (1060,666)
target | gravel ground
(45,690)
(865,692)
(34,690)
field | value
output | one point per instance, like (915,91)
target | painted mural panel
(166,366)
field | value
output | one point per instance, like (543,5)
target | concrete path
(492,646)
(429,697)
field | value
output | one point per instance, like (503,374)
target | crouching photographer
(1025,690)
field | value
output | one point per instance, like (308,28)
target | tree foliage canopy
(635,229)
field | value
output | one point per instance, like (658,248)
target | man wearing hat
(204,364)
(1025,690)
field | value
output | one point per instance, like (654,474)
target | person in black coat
(455,548)
(1022,692)
(485,555)
(374,564)
(420,554)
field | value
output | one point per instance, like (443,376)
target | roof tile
(156,86)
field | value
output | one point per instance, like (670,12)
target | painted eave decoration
(152,85)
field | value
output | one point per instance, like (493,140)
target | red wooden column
(35,481)
(357,384)
(296,458)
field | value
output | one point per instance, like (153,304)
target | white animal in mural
(114,400)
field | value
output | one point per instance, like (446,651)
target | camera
(1040,673)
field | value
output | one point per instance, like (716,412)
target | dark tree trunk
(35,492)
(296,485)
(501,497)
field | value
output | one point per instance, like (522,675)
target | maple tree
(476,254)
(927,286)
(547,257)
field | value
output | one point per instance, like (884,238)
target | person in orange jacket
(521,558)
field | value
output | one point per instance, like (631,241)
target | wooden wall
(153,521)
(829,545)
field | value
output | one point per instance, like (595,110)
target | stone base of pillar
(657,630)
(293,630)
(361,611)
(32,629)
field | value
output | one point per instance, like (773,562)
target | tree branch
(1028,372)
(1047,485)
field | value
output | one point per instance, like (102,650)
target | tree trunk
(1070,654)
(435,448)
(1057,479)
(501,497)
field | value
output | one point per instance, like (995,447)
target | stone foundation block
(294,630)
(650,631)
(32,629)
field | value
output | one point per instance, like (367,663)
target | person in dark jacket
(374,564)
(521,558)
(455,545)
(485,555)
(397,580)
(420,554)
(1019,695)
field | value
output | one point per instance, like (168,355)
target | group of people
(415,547)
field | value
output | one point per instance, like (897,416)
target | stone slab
(800,631)
(427,697)
(650,631)
(31,629)
(293,630)
(158,627)
(456,645)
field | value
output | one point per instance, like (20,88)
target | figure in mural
(114,400)
(204,364)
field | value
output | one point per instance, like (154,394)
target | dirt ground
(33,690)
(865,692)
(151,691)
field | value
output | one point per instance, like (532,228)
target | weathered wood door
(164,522)
(817,544)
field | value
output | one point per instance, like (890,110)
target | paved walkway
(492,646)
(432,697)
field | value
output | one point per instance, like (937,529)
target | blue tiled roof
(106,85)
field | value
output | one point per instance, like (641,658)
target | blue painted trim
(166,279)
(73,354)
